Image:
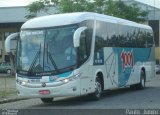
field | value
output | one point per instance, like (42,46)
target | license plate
(44,92)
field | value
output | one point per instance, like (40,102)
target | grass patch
(11,92)
(7,86)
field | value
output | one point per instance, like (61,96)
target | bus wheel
(140,85)
(142,80)
(98,89)
(47,100)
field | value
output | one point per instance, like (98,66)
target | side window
(82,48)
(149,39)
(85,45)
(88,34)
(144,38)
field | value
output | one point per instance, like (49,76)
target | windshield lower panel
(45,52)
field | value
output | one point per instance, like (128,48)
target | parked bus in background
(82,53)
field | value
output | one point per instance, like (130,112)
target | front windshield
(41,51)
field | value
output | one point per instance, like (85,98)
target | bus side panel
(126,46)
(122,66)
(87,79)
(151,65)
(130,62)
(111,68)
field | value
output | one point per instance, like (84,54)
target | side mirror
(76,36)
(8,39)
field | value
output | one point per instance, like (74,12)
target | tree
(131,12)
(114,8)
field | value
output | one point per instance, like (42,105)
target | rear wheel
(142,83)
(47,100)
(98,90)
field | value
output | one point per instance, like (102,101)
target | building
(11,20)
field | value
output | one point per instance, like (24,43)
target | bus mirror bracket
(76,36)
(7,41)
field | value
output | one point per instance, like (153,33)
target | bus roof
(72,18)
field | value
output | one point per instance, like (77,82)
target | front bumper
(71,88)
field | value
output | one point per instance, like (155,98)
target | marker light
(66,80)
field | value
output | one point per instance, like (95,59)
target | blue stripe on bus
(63,75)
(127,58)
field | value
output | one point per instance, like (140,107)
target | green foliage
(34,8)
(8,86)
(66,6)
(114,8)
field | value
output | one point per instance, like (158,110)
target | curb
(7,100)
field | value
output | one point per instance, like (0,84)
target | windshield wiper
(52,60)
(35,60)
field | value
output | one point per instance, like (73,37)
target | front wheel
(98,90)
(47,100)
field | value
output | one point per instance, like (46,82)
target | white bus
(82,53)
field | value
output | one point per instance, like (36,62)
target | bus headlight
(22,82)
(74,77)
(66,80)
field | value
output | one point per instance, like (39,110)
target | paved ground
(10,86)
(154,85)
(117,102)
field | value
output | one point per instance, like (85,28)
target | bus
(81,53)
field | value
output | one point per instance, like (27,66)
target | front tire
(98,90)
(47,100)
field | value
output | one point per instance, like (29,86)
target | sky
(6,3)
(155,3)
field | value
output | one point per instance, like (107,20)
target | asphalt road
(125,98)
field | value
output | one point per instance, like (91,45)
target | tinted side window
(82,48)
(88,35)
(106,35)
(144,38)
(149,39)
(85,41)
